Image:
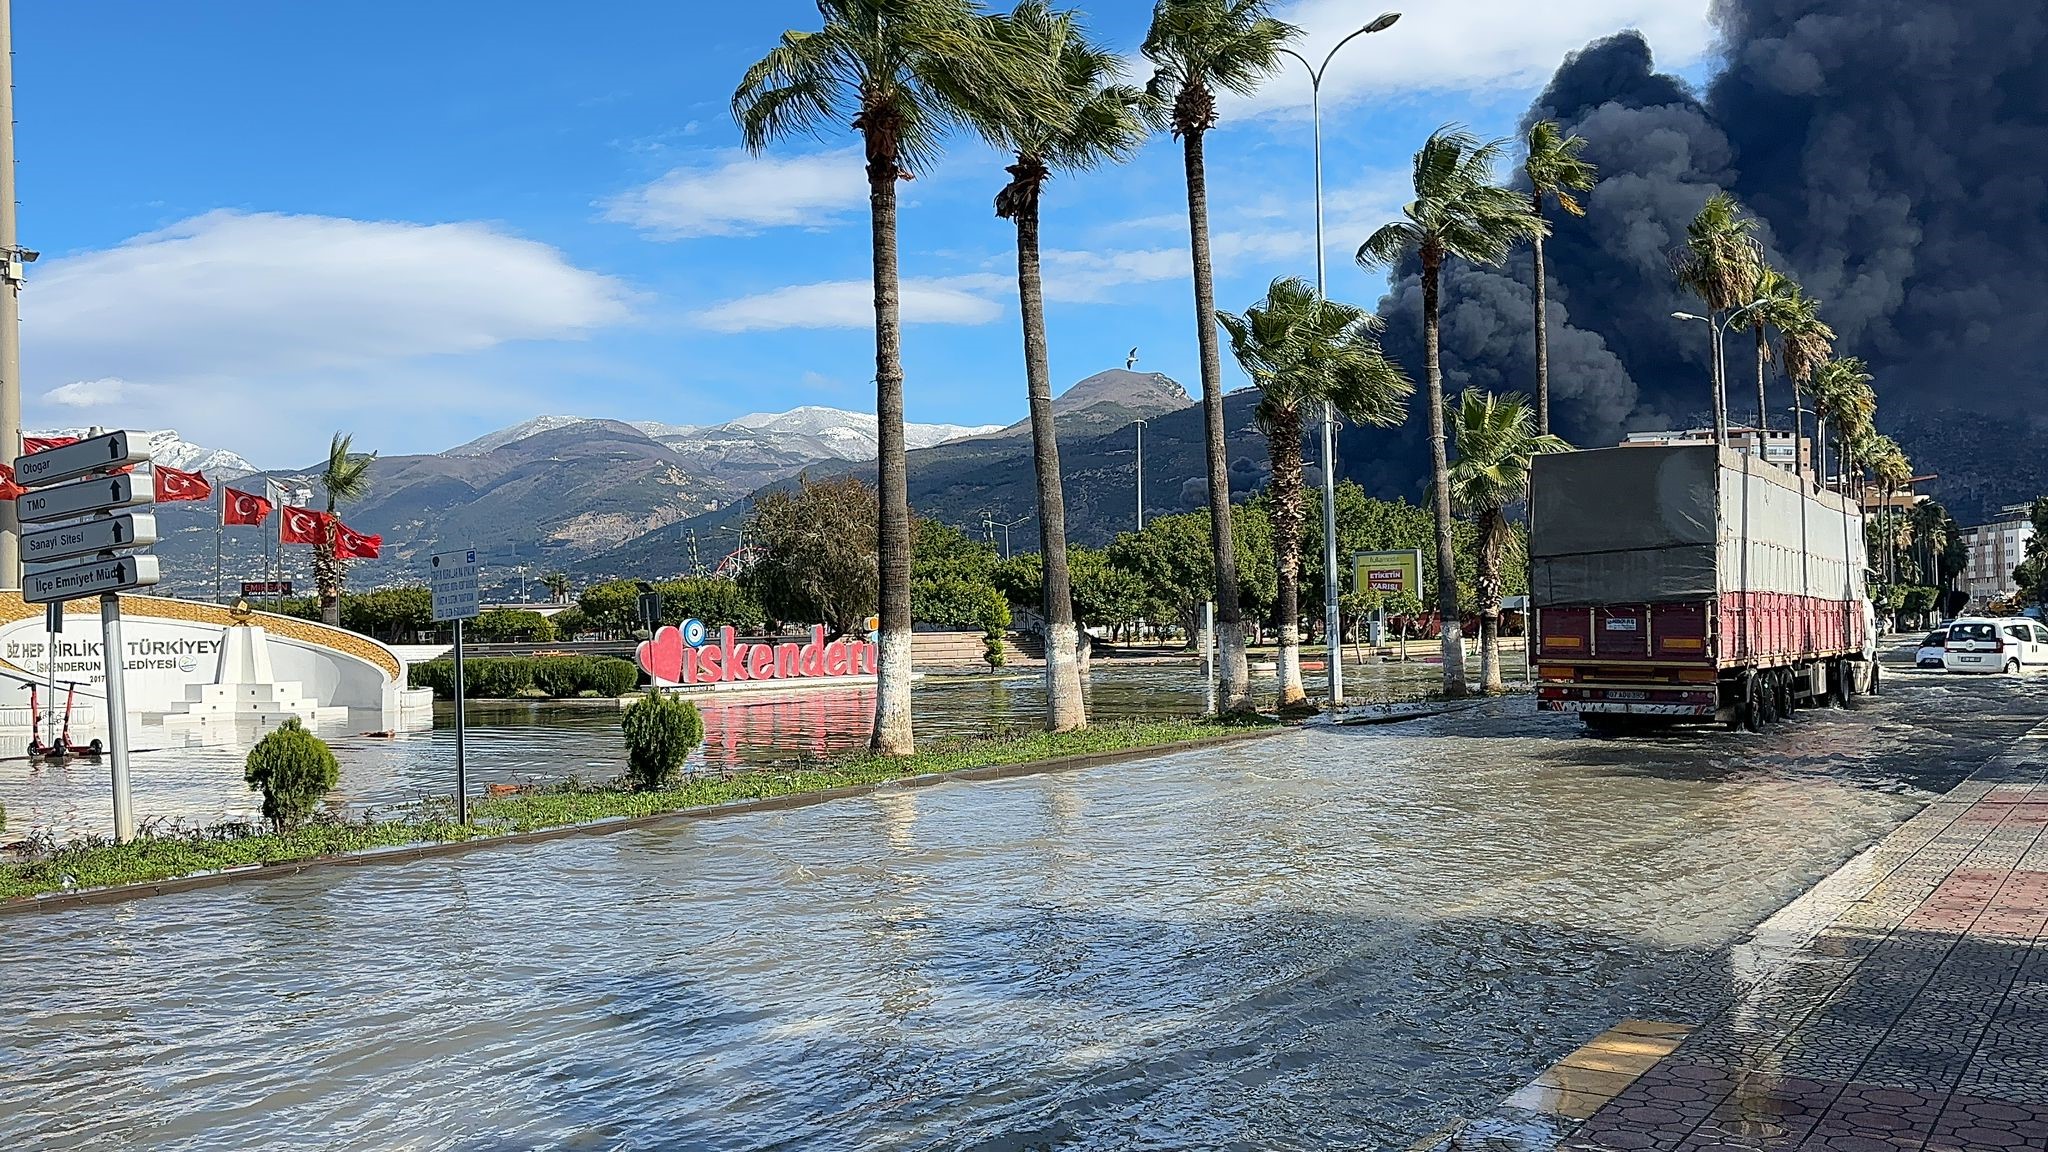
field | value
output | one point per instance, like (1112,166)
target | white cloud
(1467,45)
(90,393)
(851,304)
(740,195)
(201,324)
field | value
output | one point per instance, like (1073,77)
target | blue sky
(419,222)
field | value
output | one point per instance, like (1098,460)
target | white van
(1981,644)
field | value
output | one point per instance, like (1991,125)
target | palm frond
(1199,46)
(1555,168)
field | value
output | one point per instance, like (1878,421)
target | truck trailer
(1690,583)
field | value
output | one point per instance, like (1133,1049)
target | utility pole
(12,259)
(1141,465)
(1333,618)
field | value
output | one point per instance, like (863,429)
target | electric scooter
(63,749)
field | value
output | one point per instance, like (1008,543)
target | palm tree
(558,586)
(1458,211)
(346,478)
(895,71)
(1081,118)
(1844,406)
(1774,301)
(1555,170)
(1718,263)
(1497,438)
(1804,343)
(1303,351)
(1197,47)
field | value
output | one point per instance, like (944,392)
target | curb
(67,901)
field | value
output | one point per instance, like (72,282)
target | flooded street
(1325,938)
(522,743)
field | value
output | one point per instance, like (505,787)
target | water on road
(1326,938)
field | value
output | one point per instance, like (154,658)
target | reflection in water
(1328,938)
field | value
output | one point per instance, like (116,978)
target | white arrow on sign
(98,454)
(111,534)
(88,579)
(105,494)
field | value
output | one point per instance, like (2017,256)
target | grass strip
(96,862)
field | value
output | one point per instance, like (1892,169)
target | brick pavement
(1901,1004)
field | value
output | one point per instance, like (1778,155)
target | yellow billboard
(1397,571)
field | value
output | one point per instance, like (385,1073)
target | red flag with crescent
(174,485)
(9,490)
(350,544)
(303,526)
(30,445)
(244,508)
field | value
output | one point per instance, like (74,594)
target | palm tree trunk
(1763,363)
(1542,339)
(1064,708)
(1440,470)
(1284,445)
(1492,525)
(893,735)
(328,575)
(1237,696)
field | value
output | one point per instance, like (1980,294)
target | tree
(1302,352)
(1555,170)
(1077,117)
(613,606)
(1458,211)
(1497,440)
(293,769)
(818,554)
(1718,263)
(1844,405)
(346,478)
(510,625)
(2032,573)
(1197,47)
(895,71)
(1804,343)
(558,586)
(713,600)
(1774,301)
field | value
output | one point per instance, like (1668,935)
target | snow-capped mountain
(809,433)
(517,432)
(851,435)
(168,449)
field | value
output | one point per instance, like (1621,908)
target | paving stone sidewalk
(1900,1004)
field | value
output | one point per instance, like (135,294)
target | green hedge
(501,677)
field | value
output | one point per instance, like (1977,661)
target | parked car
(1932,649)
(2003,645)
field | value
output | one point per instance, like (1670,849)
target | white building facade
(1995,549)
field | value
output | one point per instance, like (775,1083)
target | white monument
(245,690)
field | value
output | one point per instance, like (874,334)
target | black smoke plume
(1897,154)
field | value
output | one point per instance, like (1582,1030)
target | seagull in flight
(1131,361)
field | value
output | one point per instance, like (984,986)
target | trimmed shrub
(660,731)
(509,625)
(505,677)
(992,649)
(293,769)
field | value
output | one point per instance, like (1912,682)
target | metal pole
(1209,656)
(1141,475)
(461,738)
(54,621)
(10,305)
(1333,623)
(114,660)
(219,530)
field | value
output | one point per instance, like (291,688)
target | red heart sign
(662,657)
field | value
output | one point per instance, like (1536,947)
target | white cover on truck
(1649,523)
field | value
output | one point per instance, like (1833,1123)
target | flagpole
(220,528)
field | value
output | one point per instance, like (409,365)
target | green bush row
(501,677)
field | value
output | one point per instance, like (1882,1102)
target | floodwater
(1325,938)
(173,784)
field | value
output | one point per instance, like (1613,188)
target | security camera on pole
(82,540)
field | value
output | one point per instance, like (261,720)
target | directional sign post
(451,578)
(85,558)
(89,538)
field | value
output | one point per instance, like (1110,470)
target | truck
(1686,582)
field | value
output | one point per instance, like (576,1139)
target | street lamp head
(1383,22)
(1687,316)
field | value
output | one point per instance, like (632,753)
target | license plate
(1971,659)
(1618,694)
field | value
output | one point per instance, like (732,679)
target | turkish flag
(173,485)
(303,526)
(9,490)
(244,508)
(350,544)
(30,445)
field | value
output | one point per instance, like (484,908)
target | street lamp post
(1718,370)
(1333,623)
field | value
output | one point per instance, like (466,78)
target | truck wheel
(1767,698)
(1788,700)
(1876,679)
(1753,705)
